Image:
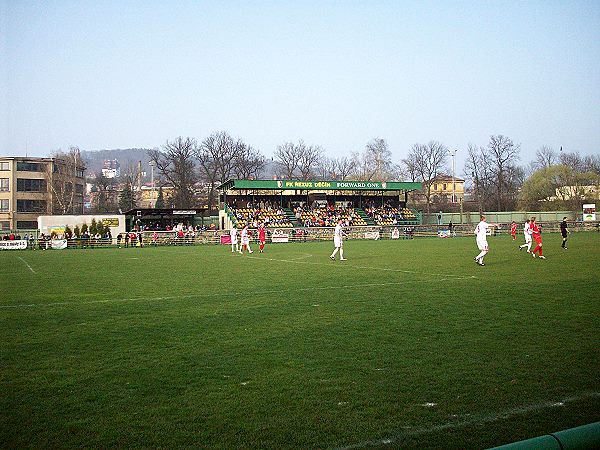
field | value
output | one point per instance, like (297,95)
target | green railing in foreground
(580,438)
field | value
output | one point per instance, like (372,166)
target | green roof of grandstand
(313,185)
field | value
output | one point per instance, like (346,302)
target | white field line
(33,271)
(346,264)
(468,420)
(228,294)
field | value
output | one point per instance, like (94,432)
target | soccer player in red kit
(513,230)
(537,236)
(262,237)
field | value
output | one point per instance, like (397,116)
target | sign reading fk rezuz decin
(322,185)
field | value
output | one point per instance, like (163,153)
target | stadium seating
(329,216)
(274,218)
(387,215)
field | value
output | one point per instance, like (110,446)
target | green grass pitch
(407,344)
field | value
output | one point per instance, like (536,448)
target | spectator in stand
(119,236)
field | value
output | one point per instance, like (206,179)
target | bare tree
(375,162)
(327,169)
(572,160)
(544,157)
(410,167)
(218,156)
(249,163)
(63,175)
(345,168)
(287,159)
(175,163)
(297,160)
(478,173)
(428,159)
(309,159)
(503,155)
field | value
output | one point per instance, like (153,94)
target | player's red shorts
(538,239)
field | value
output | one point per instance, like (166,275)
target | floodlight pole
(152,164)
(453,154)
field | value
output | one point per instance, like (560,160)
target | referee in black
(564,231)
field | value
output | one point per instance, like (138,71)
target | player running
(513,230)
(537,236)
(481,231)
(527,233)
(338,241)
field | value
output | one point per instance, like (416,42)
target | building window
(4,184)
(4,205)
(29,167)
(79,188)
(435,187)
(27,224)
(31,185)
(444,186)
(4,166)
(33,206)
(79,173)
(4,225)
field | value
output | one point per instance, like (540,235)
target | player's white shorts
(527,238)
(482,244)
(337,241)
(245,241)
(234,240)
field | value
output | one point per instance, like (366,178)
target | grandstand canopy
(313,185)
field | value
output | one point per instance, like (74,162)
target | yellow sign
(110,222)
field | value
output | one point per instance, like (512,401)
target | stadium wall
(498,217)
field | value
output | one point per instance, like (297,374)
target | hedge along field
(408,344)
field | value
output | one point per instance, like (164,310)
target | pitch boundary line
(387,269)
(474,420)
(224,294)
(28,266)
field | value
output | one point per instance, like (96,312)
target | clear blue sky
(120,74)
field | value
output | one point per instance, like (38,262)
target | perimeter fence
(273,235)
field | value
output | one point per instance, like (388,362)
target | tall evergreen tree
(126,199)
(160,199)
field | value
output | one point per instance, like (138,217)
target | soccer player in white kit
(233,234)
(527,232)
(245,240)
(338,241)
(481,232)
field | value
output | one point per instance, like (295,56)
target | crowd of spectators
(328,216)
(253,216)
(389,215)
